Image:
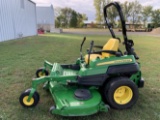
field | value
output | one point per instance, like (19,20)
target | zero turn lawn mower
(99,80)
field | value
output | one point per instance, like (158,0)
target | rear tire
(120,93)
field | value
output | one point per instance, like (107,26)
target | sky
(86,6)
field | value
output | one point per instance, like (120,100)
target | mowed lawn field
(19,59)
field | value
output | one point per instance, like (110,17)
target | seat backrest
(112,44)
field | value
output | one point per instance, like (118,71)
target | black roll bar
(127,42)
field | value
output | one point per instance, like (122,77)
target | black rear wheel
(120,93)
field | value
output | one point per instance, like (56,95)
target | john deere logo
(115,62)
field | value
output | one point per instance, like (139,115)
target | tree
(112,15)
(57,23)
(57,11)
(98,7)
(60,21)
(127,9)
(80,19)
(84,16)
(146,13)
(156,18)
(67,13)
(73,21)
(111,12)
(67,17)
(136,12)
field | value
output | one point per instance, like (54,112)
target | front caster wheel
(24,97)
(41,72)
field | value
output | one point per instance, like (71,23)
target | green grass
(19,59)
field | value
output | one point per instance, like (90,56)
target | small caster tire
(28,104)
(35,93)
(51,109)
(41,73)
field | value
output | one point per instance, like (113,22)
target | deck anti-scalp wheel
(121,93)
(41,72)
(23,99)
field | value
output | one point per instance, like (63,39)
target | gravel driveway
(103,32)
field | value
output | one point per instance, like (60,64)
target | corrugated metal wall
(6,21)
(45,15)
(17,21)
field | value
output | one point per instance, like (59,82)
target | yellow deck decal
(114,62)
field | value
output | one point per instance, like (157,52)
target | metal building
(45,17)
(17,19)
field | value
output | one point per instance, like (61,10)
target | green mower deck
(67,104)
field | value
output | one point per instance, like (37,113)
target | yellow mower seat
(112,44)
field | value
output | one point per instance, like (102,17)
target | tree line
(67,17)
(133,12)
